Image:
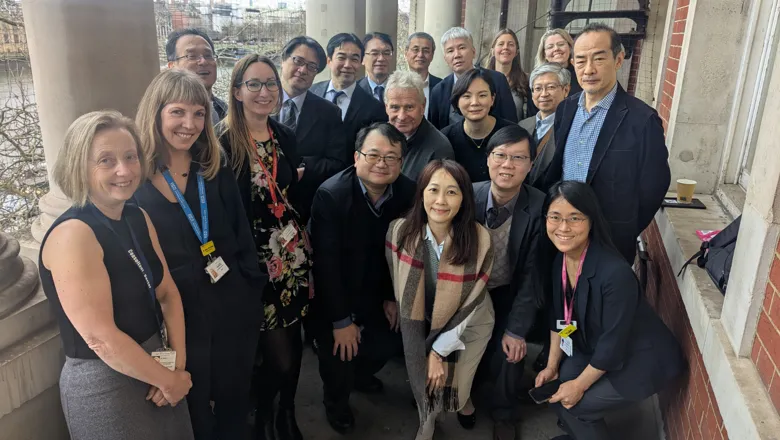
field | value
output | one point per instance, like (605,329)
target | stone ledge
(30,318)
(747,410)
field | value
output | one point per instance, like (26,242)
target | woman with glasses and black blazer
(607,346)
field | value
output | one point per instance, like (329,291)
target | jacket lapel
(583,285)
(481,193)
(305,122)
(520,219)
(615,115)
(358,98)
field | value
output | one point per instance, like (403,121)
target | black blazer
(322,146)
(439,108)
(432,81)
(524,236)
(244,179)
(618,331)
(363,111)
(348,242)
(628,171)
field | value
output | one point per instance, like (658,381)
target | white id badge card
(287,234)
(217,269)
(166,358)
(567,346)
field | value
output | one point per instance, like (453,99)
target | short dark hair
(465,80)
(385,129)
(581,196)
(380,35)
(173,38)
(293,44)
(614,38)
(423,35)
(338,40)
(511,134)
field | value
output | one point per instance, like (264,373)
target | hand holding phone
(543,393)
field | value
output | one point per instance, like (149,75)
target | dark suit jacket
(432,81)
(322,147)
(618,331)
(363,111)
(439,108)
(628,171)
(288,145)
(351,275)
(542,161)
(524,236)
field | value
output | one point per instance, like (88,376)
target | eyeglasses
(556,219)
(300,62)
(424,50)
(549,88)
(376,53)
(503,157)
(194,58)
(559,45)
(254,85)
(374,158)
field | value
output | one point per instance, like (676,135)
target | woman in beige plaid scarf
(440,259)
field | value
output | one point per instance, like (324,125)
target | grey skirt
(102,404)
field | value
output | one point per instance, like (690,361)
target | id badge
(208,248)
(561,324)
(166,358)
(217,269)
(567,346)
(287,234)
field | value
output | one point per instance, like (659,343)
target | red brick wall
(673,61)
(689,407)
(634,73)
(766,347)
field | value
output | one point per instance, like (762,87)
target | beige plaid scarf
(459,290)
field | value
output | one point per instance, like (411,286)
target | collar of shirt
(376,207)
(348,91)
(298,100)
(438,247)
(605,103)
(543,125)
(426,79)
(373,84)
(509,206)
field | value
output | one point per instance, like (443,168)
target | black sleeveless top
(133,313)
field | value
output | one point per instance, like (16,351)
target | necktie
(336,96)
(289,118)
(492,218)
(380,93)
(536,132)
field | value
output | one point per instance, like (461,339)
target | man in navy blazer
(377,61)
(420,48)
(610,140)
(459,54)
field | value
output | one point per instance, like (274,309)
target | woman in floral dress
(263,155)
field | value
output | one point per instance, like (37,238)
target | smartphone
(544,392)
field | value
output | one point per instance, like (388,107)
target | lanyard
(202,234)
(270,177)
(137,256)
(568,307)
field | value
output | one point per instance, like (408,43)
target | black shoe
(468,422)
(369,385)
(342,422)
(264,426)
(286,425)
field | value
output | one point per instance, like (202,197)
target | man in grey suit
(550,84)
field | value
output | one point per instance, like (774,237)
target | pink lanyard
(568,307)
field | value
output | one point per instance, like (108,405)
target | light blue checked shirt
(583,135)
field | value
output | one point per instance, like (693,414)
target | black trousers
(504,375)
(585,420)
(378,344)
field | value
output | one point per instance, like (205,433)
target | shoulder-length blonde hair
(238,135)
(177,86)
(517,78)
(71,170)
(540,58)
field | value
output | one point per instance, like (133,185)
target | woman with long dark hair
(505,58)
(440,259)
(608,348)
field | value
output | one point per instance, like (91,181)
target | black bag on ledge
(715,255)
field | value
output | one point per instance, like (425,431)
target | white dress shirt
(344,100)
(298,100)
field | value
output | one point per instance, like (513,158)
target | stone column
(326,18)
(85,55)
(382,16)
(18,276)
(440,15)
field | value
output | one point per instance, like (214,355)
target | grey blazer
(541,163)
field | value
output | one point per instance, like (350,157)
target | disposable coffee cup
(685,188)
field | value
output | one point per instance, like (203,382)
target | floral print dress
(286,296)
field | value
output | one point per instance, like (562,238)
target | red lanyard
(568,307)
(277,209)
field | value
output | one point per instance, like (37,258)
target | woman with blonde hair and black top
(263,154)
(505,58)
(193,197)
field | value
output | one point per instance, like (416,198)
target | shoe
(342,422)
(369,385)
(467,421)
(286,425)
(264,425)
(504,431)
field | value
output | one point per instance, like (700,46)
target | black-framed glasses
(194,58)
(374,158)
(549,88)
(300,62)
(376,53)
(503,157)
(254,85)
(574,220)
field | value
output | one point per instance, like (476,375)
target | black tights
(281,350)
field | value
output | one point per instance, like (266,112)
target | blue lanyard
(203,235)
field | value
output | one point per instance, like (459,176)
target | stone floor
(390,415)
